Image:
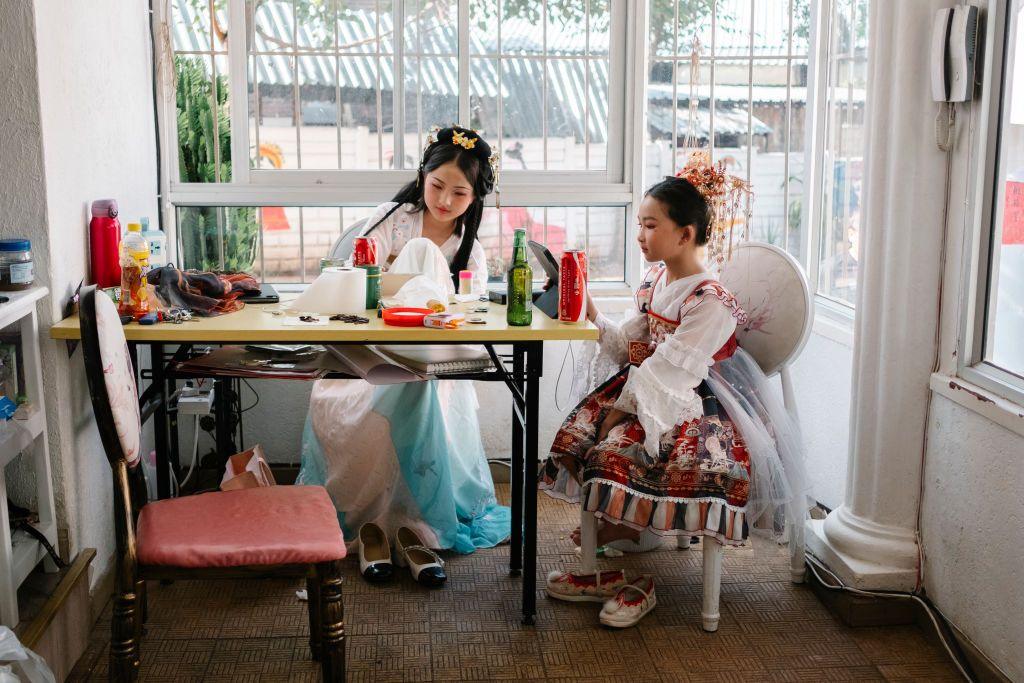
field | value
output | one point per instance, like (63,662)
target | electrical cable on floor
(814,564)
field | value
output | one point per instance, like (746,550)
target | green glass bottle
(520,284)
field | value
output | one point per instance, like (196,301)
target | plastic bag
(25,665)
(433,280)
(417,292)
(246,470)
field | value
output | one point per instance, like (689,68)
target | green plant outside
(212,238)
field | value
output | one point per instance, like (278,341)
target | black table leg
(534,369)
(163,475)
(515,559)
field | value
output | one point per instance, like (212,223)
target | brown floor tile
(469,630)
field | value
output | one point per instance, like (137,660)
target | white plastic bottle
(157,242)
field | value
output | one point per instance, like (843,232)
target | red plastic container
(406,317)
(104,239)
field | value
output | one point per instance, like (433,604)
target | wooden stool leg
(124,643)
(315,620)
(332,622)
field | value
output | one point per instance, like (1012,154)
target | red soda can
(572,287)
(364,252)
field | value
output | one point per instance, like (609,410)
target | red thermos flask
(104,239)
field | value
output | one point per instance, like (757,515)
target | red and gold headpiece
(725,193)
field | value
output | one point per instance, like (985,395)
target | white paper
(373,366)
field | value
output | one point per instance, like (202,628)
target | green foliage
(204,156)
(204,131)
(795,211)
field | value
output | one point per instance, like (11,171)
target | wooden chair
(259,532)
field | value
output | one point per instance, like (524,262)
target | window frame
(833,308)
(621,184)
(749,60)
(979,220)
(616,185)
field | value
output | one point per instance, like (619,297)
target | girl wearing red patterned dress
(668,444)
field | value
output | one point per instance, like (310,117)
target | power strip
(193,401)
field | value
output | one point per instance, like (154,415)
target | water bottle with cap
(157,241)
(104,238)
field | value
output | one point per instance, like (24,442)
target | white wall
(98,141)
(971,530)
(973,495)
(821,382)
(23,200)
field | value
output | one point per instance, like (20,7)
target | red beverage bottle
(104,239)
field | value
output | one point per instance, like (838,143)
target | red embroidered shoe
(631,604)
(585,587)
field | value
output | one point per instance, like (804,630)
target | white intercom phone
(954,46)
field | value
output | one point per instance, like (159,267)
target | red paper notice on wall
(1013,213)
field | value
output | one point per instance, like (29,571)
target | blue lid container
(15,244)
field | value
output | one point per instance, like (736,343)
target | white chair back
(342,247)
(771,287)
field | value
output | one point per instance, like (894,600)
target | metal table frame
(522,379)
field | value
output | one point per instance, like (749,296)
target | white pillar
(871,540)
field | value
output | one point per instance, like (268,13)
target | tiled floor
(771,630)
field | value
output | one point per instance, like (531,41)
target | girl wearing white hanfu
(410,455)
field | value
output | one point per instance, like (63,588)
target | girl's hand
(592,311)
(613,418)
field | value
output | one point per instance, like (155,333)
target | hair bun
(467,138)
(471,141)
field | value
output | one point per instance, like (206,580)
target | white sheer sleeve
(597,361)
(615,337)
(382,232)
(661,391)
(478,264)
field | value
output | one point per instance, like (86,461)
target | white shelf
(28,552)
(21,302)
(19,435)
(19,552)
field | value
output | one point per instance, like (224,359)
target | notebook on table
(266,295)
(440,359)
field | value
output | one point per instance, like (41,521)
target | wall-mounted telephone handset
(954,47)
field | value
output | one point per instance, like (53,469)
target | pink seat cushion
(263,526)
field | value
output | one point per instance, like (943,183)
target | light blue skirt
(404,455)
